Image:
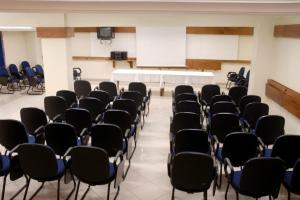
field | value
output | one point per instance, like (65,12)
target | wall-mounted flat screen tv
(105,33)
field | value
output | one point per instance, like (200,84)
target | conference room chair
(110,88)
(245,100)
(12,134)
(243,81)
(5,166)
(35,120)
(207,93)
(6,81)
(82,88)
(81,120)
(60,137)
(101,95)
(36,84)
(185,96)
(268,129)
(179,89)
(141,88)
(188,106)
(237,92)
(238,147)
(232,77)
(77,73)
(55,108)
(216,99)
(38,162)
(25,64)
(286,147)
(192,172)
(94,106)
(69,96)
(15,74)
(251,114)
(291,180)
(91,166)
(39,71)
(259,177)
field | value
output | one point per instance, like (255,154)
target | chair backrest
(110,88)
(12,133)
(269,127)
(185,120)
(128,105)
(185,96)
(82,88)
(137,97)
(188,106)
(239,147)
(262,176)
(208,91)
(241,71)
(13,69)
(33,118)
(93,105)
(248,99)
(37,161)
(121,118)
(253,111)
(224,123)
(39,70)
(218,98)
(285,147)
(139,87)
(237,92)
(296,176)
(60,137)
(29,73)
(90,164)
(54,106)
(108,137)
(69,96)
(192,172)
(79,118)
(25,64)
(192,140)
(101,95)
(179,89)
(223,107)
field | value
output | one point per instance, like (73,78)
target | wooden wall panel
(292,31)
(203,64)
(54,32)
(284,96)
(220,30)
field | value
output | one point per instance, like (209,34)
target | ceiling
(213,6)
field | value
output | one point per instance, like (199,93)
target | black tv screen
(105,33)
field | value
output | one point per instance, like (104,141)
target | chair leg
(77,190)
(72,191)
(27,186)
(129,163)
(37,191)
(220,174)
(117,193)
(237,195)
(173,192)
(85,193)
(19,191)
(289,195)
(108,191)
(226,192)
(3,187)
(58,189)
(205,195)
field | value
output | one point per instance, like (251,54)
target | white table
(162,76)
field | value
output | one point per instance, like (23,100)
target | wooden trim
(54,32)
(158,67)
(210,64)
(290,31)
(284,96)
(94,29)
(98,58)
(220,30)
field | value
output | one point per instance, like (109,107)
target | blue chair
(17,76)
(5,165)
(291,180)
(36,85)
(39,71)
(233,77)
(6,80)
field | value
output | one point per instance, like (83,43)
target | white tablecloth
(162,76)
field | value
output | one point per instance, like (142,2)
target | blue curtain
(2,61)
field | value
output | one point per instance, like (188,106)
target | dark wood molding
(289,31)
(55,32)
(220,30)
(119,29)
(284,96)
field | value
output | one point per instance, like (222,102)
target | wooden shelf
(130,60)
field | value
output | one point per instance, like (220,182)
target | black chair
(285,147)
(35,121)
(185,96)
(60,137)
(55,108)
(82,88)
(234,77)
(38,162)
(141,88)
(94,106)
(81,120)
(91,166)
(5,166)
(239,147)
(188,106)
(179,89)
(245,100)
(237,92)
(36,84)
(69,96)
(252,112)
(192,172)
(207,93)
(215,99)
(101,95)
(243,81)
(77,73)
(110,88)
(259,177)
(291,180)
(223,107)
(267,129)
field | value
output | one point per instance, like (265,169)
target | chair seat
(219,154)
(124,146)
(31,139)
(235,180)
(267,152)
(5,165)
(287,182)
(132,131)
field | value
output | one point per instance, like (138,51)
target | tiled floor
(147,178)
